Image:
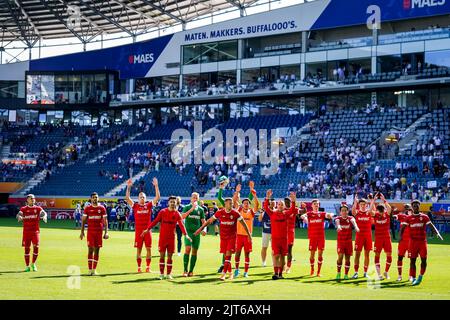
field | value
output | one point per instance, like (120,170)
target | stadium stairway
(413,135)
(105,153)
(33,182)
(117,189)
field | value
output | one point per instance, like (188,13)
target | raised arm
(266,203)
(236,197)
(220,196)
(355,203)
(128,193)
(157,195)
(355,225)
(388,206)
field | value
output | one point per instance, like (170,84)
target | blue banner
(441,207)
(341,13)
(132,61)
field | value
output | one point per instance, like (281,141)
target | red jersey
(279,219)
(382,225)
(316,222)
(418,226)
(142,215)
(364,222)
(95,217)
(169,220)
(31,216)
(228,223)
(402,217)
(291,220)
(345,234)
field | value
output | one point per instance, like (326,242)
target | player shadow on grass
(137,280)
(9,272)
(203,279)
(85,275)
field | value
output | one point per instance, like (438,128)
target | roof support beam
(163,11)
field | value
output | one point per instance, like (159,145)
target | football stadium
(225,150)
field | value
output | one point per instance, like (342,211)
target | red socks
(139,261)
(27,256)
(377,264)
(347,267)
(90,260)
(148,260)
(319,264)
(388,263)
(356,266)
(339,267)
(365,269)
(311,262)
(247,264)
(412,271)
(227,264)
(161,265)
(237,262)
(169,266)
(95,261)
(35,253)
(400,267)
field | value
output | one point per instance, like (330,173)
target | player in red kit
(169,218)
(316,234)
(279,223)
(30,215)
(96,218)
(403,244)
(228,218)
(142,215)
(344,225)
(291,232)
(382,217)
(363,240)
(417,223)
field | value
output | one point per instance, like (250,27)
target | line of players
(236,222)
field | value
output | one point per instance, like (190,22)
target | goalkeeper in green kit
(194,216)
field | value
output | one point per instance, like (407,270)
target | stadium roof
(29,20)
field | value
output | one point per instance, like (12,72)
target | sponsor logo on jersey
(228,223)
(416,225)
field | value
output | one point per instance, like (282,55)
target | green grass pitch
(61,248)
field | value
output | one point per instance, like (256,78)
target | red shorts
(228,245)
(30,238)
(317,244)
(279,246)
(139,241)
(383,244)
(345,247)
(166,244)
(95,239)
(291,237)
(403,247)
(417,248)
(363,242)
(243,242)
